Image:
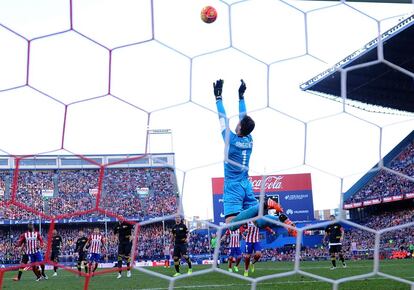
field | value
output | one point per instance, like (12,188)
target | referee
(124,231)
(335,234)
(180,236)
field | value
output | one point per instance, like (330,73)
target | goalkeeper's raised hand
(218,89)
(242,89)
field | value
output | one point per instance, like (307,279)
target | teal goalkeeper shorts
(238,195)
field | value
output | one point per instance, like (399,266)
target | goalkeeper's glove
(242,89)
(218,89)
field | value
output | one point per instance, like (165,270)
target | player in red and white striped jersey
(32,242)
(251,235)
(95,244)
(234,249)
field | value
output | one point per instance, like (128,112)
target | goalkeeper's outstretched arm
(242,104)
(224,122)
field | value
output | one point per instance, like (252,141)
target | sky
(92,76)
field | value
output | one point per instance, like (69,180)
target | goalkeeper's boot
(177,274)
(235,269)
(284,219)
(269,203)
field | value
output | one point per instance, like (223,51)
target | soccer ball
(208,14)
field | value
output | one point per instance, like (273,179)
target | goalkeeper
(239,200)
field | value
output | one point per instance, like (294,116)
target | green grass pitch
(140,280)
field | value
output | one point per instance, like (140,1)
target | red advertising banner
(379,200)
(272,183)
(376,201)
(293,191)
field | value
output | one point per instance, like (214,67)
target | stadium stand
(383,186)
(73,191)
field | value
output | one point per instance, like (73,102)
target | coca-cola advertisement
(294,192)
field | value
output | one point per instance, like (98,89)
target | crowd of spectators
(150,242)
(134,193)
(387,184)
(155,241)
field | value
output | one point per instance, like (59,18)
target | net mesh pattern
(26,78)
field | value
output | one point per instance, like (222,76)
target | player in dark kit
(81,250)
(180,233)
(335,234)
(124,231)
(56,247)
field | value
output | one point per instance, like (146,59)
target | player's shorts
(124,248)
(180,250)
(36,257)
(250,248)
(82,256)
(238,195)
(94,257)
(25,259)
(335,249)
(54,257)
(234,252)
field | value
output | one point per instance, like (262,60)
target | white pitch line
(261,283)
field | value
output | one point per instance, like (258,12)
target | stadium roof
(388,83)
(377,1)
